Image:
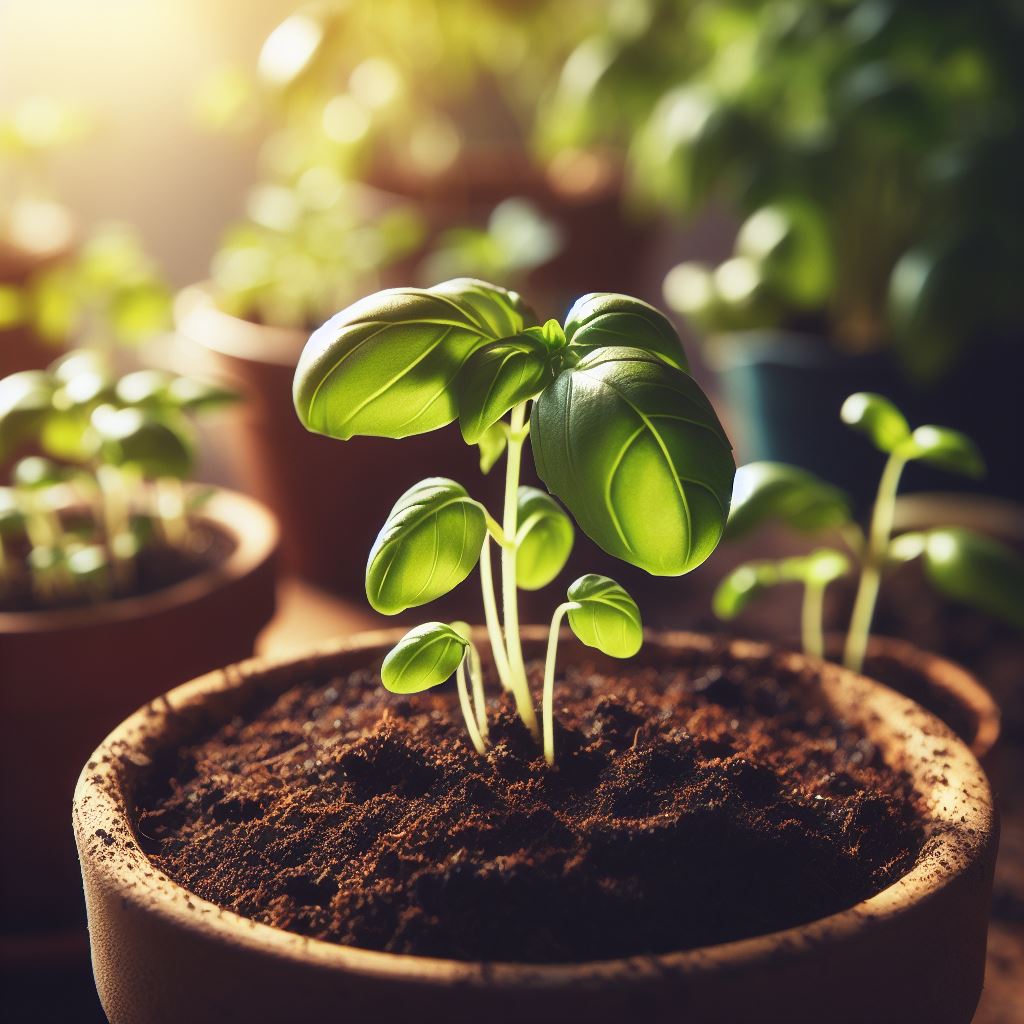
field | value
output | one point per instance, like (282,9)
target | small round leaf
(946,448)
(544,541)
(426,656)
(737,589)
(604,616)
(774,491)
(429,544)
(136,440)
(878,418)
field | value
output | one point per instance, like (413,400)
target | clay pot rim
(960,826)
(253,531)
(945,675)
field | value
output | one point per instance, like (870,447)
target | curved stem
(510,595)
(873,562)
(811,632)
(494,633)
(467,708)
(548,702)
(476,678)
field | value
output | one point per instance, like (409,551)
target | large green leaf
(774,491)
(634,450)
(607,319)
(497,377)
(429,544)
(385,365)
(604,616)
(426,656)
(978,571)
(544,541)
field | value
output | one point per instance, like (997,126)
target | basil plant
(622,436)
(964,566)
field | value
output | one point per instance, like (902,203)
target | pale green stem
(548,702)
(811,612)
(467,709)
(170,508)
(872,563)
(510,594)
(491,616)
(476,678)
(116,523)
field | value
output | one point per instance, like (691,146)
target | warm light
(737,279)
(345,119)
(688,288)
(375,83)
(289,49)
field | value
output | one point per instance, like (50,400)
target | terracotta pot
(330,497)
(947,689)
(914,952)
(69,675)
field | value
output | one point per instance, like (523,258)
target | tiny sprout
(106,455)
(617,427)
(959,563)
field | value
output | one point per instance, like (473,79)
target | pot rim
(946,675)
(959,822)
(253,531)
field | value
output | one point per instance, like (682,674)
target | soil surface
(692,805)
(156,566)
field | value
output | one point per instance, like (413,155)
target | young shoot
(105,459)
(620,433)
(962,565)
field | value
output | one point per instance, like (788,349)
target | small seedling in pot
(620,432)
(963,565)
(102,477)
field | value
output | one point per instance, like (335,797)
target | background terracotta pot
(914,952)
(330,497)
(68,676)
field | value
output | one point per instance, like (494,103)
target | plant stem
(476,677)
(116,523)
(170,509)
(872,563)
(548,701)
(491,616)
(510,595)
(467,708)
(811,632)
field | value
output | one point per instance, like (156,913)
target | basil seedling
(114,454)
(621,434)
(964,566)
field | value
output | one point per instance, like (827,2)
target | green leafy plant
(104,478)
(621,434)
(872,150)
(962,565)
(108,293)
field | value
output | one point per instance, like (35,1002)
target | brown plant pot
(69,675)
(327,495)
(941,686)
(913,952)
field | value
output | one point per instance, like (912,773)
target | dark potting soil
(157,566)
(692,805)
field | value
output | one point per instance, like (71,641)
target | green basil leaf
(738,588)
(946,448)
(136,440)
(824,566)
(144,388)
(878,418)
(12,519)
(492,443)
(426,656)
(429,544)
(604,616)
(606,319)
(36,472)
(497,377)
(632,447)
(544,541)
(977,570)
(774,491)
(26,399)
(385,366)
(192,395)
